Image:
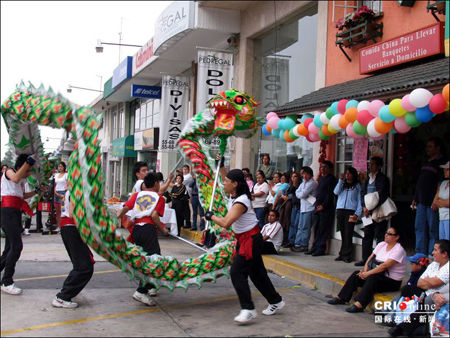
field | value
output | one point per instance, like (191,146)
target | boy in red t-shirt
(147,207)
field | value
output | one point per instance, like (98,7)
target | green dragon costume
(231,113)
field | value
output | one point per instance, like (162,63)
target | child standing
(272,234)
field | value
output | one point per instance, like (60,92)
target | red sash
(245,241)
(16,203)
(66,221)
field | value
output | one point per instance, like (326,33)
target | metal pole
(213,192)
(188,242)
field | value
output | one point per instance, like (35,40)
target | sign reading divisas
(419,44)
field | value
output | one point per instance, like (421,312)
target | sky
(53,43)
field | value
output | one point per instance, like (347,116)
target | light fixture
(99,47)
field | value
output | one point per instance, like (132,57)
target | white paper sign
(311,199)
(366,221)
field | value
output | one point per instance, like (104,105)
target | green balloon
(411,120)
(359,129)
(329,113)
(292,135)
(323,136)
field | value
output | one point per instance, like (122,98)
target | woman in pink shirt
(385,275)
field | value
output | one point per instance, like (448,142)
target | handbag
(373,263)
(385,211)
(371,200)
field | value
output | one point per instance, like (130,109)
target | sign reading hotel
(419,44)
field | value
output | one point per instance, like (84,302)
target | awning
(123,147)
(384,86)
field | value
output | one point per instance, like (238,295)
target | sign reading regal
(419,44)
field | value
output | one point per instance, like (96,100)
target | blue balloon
(424,114)
(334,107)
(289,123)
(265,131)
(281,136)
(275,132)
(317,121)
(351,103)
(385,115)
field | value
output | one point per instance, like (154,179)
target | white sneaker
(143,298)
(152,293)
(245,316)
(26,232)
(11,289)
(273,308)
(58,302)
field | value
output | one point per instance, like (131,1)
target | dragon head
(234,113)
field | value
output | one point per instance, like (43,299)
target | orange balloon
(268,128)
(325,130)
(383,127)
(287,138)
(351,114)
(302,130)
(343,122)
(445,92)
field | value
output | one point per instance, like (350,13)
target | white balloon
(323,118)
(363,105)
(371,131)
(420,97)
(295,131)
(334,122)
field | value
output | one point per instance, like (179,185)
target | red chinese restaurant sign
(419,44)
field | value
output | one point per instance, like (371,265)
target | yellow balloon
(395,108)
(332,130)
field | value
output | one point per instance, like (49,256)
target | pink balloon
(314,137)
(375,106)
(313,129)
(350,132)
(307,122)
(270,115)
(341,106)
(364,117)
(401,126)
(406,104)
(273,122)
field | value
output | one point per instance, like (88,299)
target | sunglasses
(390,234)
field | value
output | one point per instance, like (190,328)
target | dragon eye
(239,100)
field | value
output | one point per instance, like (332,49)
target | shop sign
(275,83)
(143,57)
(107,88)
(174,109)
(149,139)
(176,18)
(122,72)
(123,147)
(215,74)
(360,146)
(149,92)
(418,44)
(138,140)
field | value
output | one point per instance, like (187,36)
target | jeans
(444,229)
(427,229)
(260,214)
(295,216)
(196,205)
(304,229)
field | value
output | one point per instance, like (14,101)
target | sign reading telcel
(122,72)
(418,44)
(150,92)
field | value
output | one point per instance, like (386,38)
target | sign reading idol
(148,92)
(122,72)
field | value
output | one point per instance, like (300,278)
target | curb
(317,280)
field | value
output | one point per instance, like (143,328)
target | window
(149,123)
(115,123)
(146,114)
(375,5)
(121,117)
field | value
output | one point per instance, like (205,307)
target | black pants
(146,237)
(12,226)
(323,224)
(346,228)
(183,214)
(82,261)
(269,248)
(376,230)
(241,269)
(370,286)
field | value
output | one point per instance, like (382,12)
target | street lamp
(99,47)
(69,90)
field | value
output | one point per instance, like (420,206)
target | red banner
(419,44)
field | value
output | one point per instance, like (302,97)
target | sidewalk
(322,273)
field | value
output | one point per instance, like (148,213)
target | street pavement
(107,308)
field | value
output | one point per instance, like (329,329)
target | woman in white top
(247,258)
(441,200)
(259,195)
(60,189)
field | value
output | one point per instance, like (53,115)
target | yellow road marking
(130,313)
(59,276)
